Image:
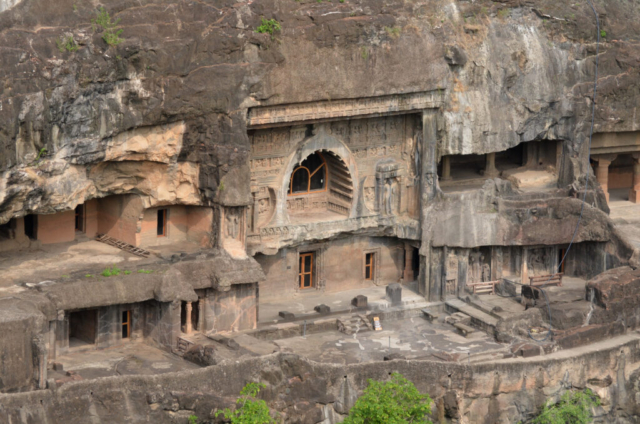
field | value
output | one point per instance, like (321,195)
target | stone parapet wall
(308,392)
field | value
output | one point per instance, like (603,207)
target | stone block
(287,316)
(431,316)
(393,356)
(322,309)
(528,350)
(359,301)
(394,293)
(57,366)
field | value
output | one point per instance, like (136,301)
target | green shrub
(42,153)
(268,26)
(603,33)
(193,419)
(127,272)
(392,402)
(108,272)
(145,271)
(249,410)
(503,13)
(393,32)
(67,44)
(574,408)
(110,35)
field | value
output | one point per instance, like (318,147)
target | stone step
(479,319)
(354,324)
(483,306)
(464,329)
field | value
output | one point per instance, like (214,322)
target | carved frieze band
(332,226)
(343,108)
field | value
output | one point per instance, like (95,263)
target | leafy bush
(603,33)
(504,13)
(268,26)
(392,402)
(393,32)
(145,271)
(193,419)
(574,408)
(110,35)
(249,410)
(108,272)
(67,44)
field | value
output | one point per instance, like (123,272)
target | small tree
(110,35)
(249,410)
(573,408)
(392,402)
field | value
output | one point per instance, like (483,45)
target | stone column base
(634,196)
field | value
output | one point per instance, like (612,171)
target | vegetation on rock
(108,272)
(249,410)
(110,35)
(67,44)
(392,402)
(268,26)
(574,407)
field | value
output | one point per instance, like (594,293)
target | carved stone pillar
(200,323)
(188,325)
(524,268)
(490,169)
(408,263)
(602,172)
(634,193)
(254,215)
(446,168)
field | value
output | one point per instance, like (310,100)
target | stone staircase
(358,323)
(476,318)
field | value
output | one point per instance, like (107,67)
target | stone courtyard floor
(130,359)
(413,338)
(303,303)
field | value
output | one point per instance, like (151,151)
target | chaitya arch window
(310,176)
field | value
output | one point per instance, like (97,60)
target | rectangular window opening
(369,266)
(126,324)
(306,270)
(162,222)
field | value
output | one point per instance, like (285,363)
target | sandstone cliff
(186,72)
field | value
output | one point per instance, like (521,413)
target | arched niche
(334,199)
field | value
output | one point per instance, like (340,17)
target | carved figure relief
(538,262)
(233,229)
(486,272)
(232,221)
(263,208)
(390,193)
(369,193)
(475,267)
(451,275)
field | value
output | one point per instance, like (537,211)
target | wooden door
(306,270)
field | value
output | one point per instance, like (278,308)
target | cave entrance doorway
(83,328)
(80,219)
(306,267)
(31,226)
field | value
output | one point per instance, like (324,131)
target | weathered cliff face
(511,71)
